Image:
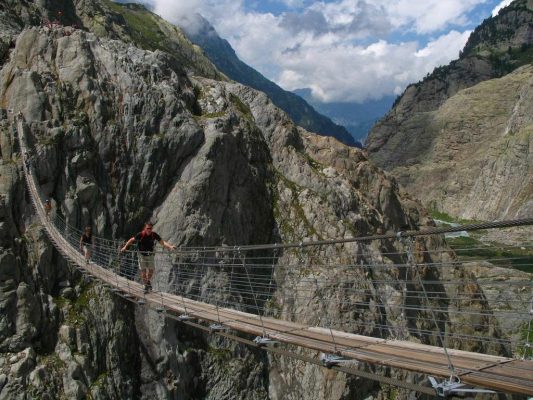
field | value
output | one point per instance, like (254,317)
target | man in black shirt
(87,243)
(146,240)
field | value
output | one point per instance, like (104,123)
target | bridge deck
(493,372)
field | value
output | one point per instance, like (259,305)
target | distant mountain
(459,139)
(146,3)
(220,52)
(498,46)
(357,118)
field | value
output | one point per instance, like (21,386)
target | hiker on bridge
(47,208)
(146,240)
(27,160)
(87,243)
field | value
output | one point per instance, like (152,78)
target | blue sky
(342,50)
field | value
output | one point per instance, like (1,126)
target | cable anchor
(265,341)
(453,386)
(331,360)
(217,327)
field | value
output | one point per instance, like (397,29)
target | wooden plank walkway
(492,372)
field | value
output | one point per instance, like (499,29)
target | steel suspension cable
(416,268)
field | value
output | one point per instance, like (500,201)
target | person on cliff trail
(146,240)
(87,243)
(47,208)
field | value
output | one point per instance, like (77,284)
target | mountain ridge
(473,66)
(357,118)
(404,142)
(220,52)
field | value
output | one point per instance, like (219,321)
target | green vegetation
(393,393)
(527,337)
(272,306)
(287,222)
(100,380)
(52,362)
(76,309)
(350,227)
(220,355)
(470,249)
(142,26)
(313,163)
(441,216)
(50,140)
(243,108)
(218,114)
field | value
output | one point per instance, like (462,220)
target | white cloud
(444,48)
(292,3)
(430,15)
(420,16)
(503,4)
(321,48)
(176,10)
(357,73)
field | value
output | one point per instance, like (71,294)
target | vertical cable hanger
(215,326)
(265,339)
(453,383)
(528,346)
(185,316)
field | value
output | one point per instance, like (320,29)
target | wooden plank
(452,352)
(521,364)
(504,370)
(233,320)
(458,362)
(502,385)
(418,350)
(416,366)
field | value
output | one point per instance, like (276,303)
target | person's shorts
(146,262)
(86,249)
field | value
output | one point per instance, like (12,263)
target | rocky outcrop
(81,121)
(59,334)
(459,149)
(129,23)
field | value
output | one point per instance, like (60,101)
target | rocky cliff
(121,134)
(460,145)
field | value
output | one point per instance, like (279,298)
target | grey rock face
(152,157)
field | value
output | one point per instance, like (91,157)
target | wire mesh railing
(480,303)
(416,285)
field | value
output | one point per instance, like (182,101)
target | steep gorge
(123,134)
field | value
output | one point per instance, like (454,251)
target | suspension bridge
(396,288)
